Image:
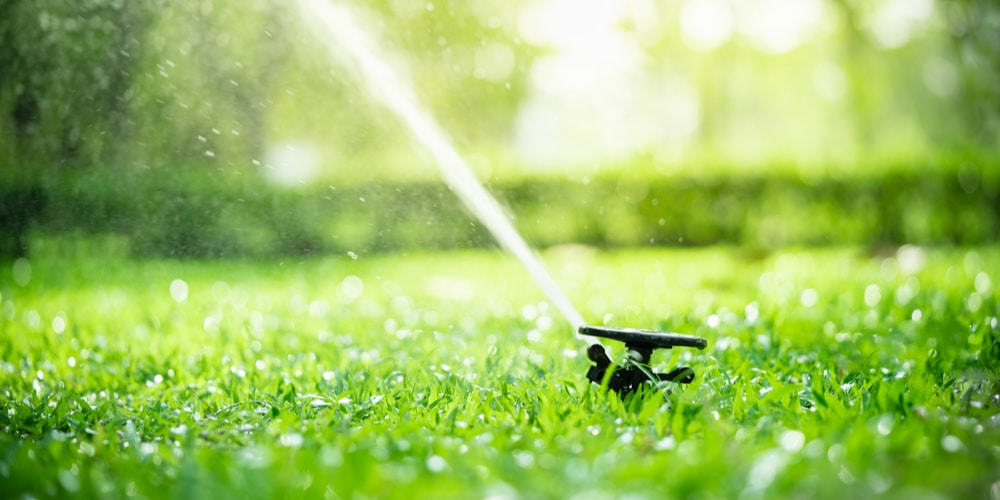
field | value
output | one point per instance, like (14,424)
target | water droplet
(331,456)
(69,481)
(836,453)
(178,290)
(534,336)
(58,324)
(22,272)
(873,295)
(885,424)
(975,302)
(765,469)
(529,312)
(544,323)
(291,440)
(983,283)
(436,463)
(211,323)
(350,289)
(33,320)
(524,459)
(792,441)
(951,444)
(713,321)
(809,297)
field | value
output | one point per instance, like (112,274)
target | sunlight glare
(592,96)
(706,24)
(291,164)
(894,21)
(779,26)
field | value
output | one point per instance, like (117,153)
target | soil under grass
(829,374)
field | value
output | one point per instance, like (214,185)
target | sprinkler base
(636,370)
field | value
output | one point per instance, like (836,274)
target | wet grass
(829,374)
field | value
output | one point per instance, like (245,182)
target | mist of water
(339,29)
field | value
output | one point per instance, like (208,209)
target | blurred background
(223,128)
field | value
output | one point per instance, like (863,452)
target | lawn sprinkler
(640,345)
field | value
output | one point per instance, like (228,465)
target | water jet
(338,28)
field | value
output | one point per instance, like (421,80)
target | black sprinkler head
(640,345)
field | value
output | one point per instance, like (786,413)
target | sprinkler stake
(640,345)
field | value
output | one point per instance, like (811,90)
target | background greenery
(224,128)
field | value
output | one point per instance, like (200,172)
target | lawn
(834,373)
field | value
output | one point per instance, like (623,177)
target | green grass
(829,374)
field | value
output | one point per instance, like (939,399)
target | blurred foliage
(194,211)
(162,120)
(140,84)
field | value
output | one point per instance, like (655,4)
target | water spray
(340,32)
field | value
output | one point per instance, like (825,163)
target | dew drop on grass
(974,302)
(983,283)
(221,291)
(436,463)
(331,456)
(179,290)
(318,309)
(751,312)
(22,272)
(34,320)
(544,323)
(350,289)
(529,312)
(809,297)
(951,444)
(69,481)
(291,440)
(885,424)
(873,295)
(58,324)
(836,453)
(765,469)
(211,323)
(524,459)
(792,441)
(713,321)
